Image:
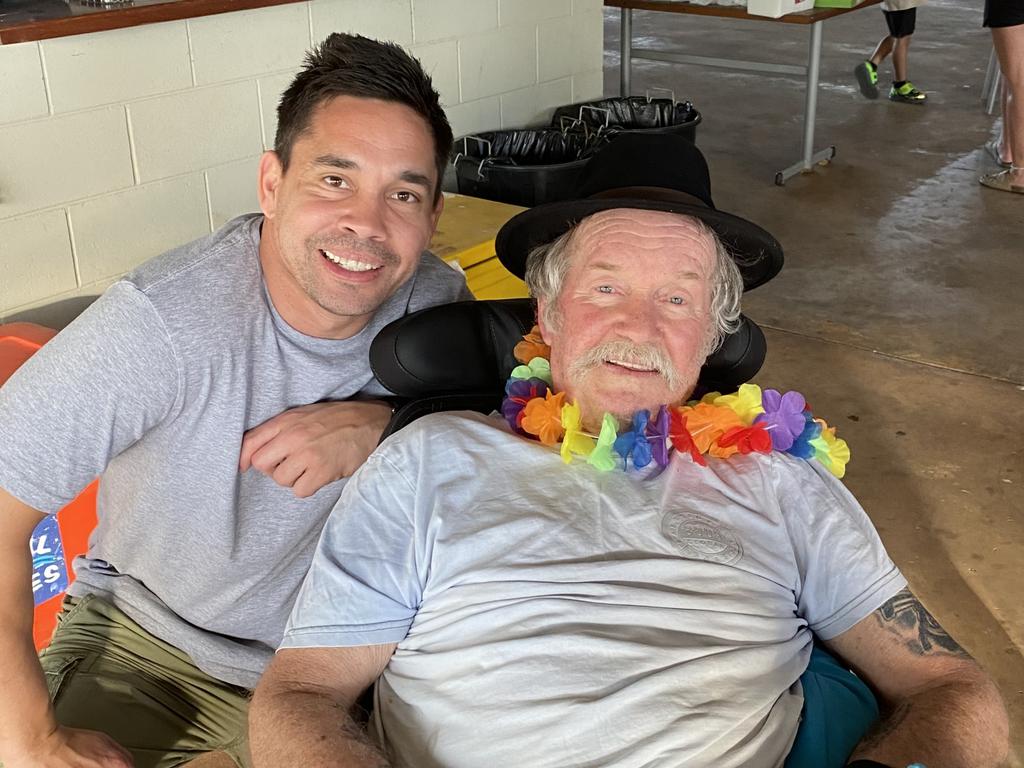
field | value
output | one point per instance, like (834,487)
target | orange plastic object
(18,342)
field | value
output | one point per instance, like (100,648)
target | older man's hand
(306,448)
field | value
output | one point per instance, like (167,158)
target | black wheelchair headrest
(459,356)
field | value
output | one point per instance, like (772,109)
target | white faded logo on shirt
(699,537)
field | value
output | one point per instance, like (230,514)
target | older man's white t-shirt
(553,615)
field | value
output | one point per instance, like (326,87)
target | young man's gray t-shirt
(154,386)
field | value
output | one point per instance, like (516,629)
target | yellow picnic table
(465,235)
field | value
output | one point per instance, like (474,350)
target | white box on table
(776,8)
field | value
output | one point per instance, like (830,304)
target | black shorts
(1003,13)
(901,23)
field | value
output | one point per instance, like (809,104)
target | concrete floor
(898,313)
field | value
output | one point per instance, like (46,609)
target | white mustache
(641,355)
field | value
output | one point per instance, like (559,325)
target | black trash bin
(522,167)
(631,113)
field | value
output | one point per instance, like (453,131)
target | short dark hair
(353,65)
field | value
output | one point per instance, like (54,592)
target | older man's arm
(938,707)
(301,713)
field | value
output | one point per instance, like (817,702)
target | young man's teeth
(350,264)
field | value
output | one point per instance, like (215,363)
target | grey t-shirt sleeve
(437,283)
(365,584)
(85,397)
(844,571)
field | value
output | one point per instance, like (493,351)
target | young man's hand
(306,448)
(72,748)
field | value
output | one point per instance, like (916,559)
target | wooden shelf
(26,20)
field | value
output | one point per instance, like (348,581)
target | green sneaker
(867,78)
(907,93)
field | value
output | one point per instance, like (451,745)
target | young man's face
(346,223)
(633,316)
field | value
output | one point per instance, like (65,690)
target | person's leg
(1005,150)
(867,71)
(883,49)
(900,54)
(1009,44)
(106,673)
(901,25)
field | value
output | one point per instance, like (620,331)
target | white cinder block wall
(118,145)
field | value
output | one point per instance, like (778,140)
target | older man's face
(633,315)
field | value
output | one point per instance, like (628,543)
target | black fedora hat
(654,172)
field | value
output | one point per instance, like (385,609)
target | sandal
(1001,181)
(993,150)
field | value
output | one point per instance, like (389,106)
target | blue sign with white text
(49,570)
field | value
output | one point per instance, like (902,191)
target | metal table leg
(810,157)
(991,92)
(625,50)
(993,67)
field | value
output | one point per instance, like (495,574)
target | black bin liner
(631,113)
(522,167)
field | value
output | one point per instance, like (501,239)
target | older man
(518,611)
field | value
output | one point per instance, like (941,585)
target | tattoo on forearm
(905,616)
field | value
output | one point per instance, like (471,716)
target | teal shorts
(838,710)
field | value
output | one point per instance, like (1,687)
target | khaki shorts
(106,673)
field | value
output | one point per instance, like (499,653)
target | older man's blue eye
(604,288)
(677,300)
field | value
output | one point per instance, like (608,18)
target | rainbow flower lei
(747,421)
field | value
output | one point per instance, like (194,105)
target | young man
(519,611)
(222,390)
